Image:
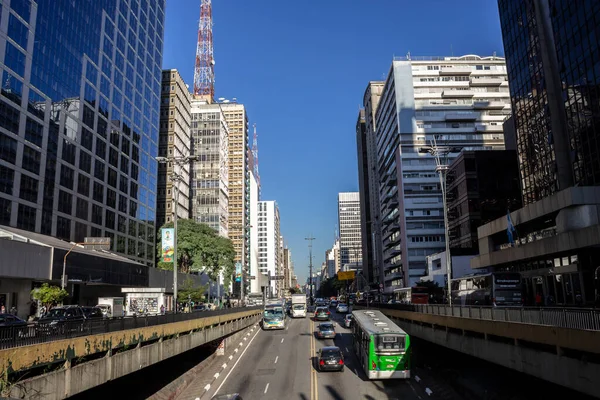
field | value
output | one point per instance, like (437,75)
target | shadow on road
(335,395)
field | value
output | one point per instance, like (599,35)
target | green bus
(382,347)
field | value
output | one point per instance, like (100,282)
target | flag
(510,229)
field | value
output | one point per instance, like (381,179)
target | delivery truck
(111,306)
(298,306)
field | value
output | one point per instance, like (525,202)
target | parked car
(234,396)
(93,312)
(62,319)
(348,320)
(326,331)
(342,308)
(322,314)
(11,320)
(330,359)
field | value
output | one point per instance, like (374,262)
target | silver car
(342,308)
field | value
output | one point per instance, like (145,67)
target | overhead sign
(345,275)
(238,271)
(168,244)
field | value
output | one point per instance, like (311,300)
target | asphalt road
(280,365)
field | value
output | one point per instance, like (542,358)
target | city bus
(274,316)
(498,289)
(412,295)
(382,348)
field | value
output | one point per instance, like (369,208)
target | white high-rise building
(210,174)
(459,102)
(350,233)
(260,279)
(269,241)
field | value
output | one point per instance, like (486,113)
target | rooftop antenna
(204,71)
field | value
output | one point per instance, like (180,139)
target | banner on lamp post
(238,271)
(168,244)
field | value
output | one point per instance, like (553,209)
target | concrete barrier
(75,379)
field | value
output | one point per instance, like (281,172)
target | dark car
(11,320)
(333,303)
(322,314)
(326,331)
(92,312)
(62,319)
(330,359)
(12,326)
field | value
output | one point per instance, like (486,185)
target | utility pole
(441,159)
(310,266)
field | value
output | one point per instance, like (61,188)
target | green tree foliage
(189,290)
(330,287)
(199,248)
(49,295)
(294,290)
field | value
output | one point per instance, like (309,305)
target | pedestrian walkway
(218,365)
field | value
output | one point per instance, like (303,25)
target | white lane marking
(236,363)
(266,388)
(231,357)
(224,366)
(245,339)
(236,350)
(207,387)
(241,344)
(282,339)
(216,375)
(417,378)
(428,391)
(276,358)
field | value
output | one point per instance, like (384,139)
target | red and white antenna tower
(255,155)
(204,73)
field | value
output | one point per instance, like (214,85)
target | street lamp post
(175,178)
(441,159)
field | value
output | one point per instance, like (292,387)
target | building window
(31,160)
(65,202)
(63,228)
(7,177)
(29,189)
(81,210)
(8,146)
(26,218)
(66,176)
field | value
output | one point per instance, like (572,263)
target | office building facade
(239,177)
(174,141)
(368,180)
(80,120)
(459,102)
(259,278)
(350,230)
(269,237)
(210,172)
(554,90)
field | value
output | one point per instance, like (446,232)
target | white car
(348,320)
(342,308)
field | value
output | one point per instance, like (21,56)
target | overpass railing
(36,333)
(574,318)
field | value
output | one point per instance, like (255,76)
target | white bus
(274,317)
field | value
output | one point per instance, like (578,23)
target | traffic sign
(345,275)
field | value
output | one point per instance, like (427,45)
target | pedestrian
(162,309)
(2,309)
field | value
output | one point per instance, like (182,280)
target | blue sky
(301,69)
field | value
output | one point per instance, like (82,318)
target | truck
(298,306)
(111,306)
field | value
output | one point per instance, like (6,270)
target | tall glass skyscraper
(79,119)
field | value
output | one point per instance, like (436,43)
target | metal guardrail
(573,318)
(36,333)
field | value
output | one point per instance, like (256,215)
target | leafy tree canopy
(199,248)
(49,295)
(294,290)
(331,287)
(189,290)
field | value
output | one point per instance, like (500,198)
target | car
(92,312)
(233,396)
(333,303)
(348,320)
(11,320)
(326,331)
(330,358)
(322,314)
(62,319)
(342,308)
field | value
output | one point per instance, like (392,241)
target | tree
(189,290)
(49,295)
(331,287)
(199,248)
(294,290)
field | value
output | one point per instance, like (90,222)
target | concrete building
(288,268)
(368,181)
(174,141)
(436,267)
(557,122)
(478,194)
(268,241)
(210,178)
(239,178)
(456,101)
(350,232)
(80,128)
(260,279)
(332,257)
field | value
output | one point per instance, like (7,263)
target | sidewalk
(219,365)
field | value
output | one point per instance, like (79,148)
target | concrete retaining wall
(72,380)
(565,371)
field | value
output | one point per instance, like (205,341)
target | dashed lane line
(266,388)
(276,358)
